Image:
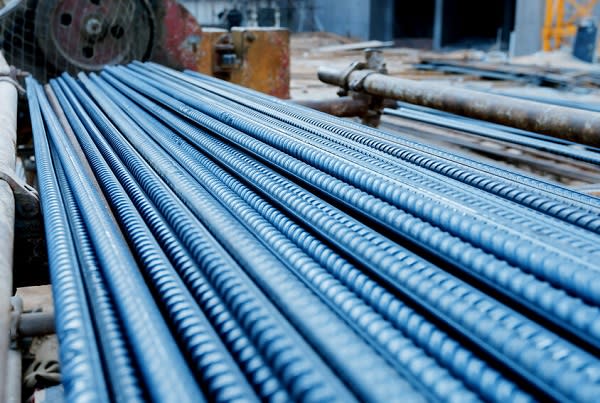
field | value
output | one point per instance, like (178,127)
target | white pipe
(14,379)
(8,150)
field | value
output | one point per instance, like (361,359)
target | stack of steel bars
(495,131)
(208,241)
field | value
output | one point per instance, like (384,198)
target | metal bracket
(10,75)
(27,200)
(15,317)
(354,66)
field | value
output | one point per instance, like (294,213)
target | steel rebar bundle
(208,242)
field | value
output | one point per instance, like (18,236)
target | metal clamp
(27,199)
(15,317)
(345,76)
(357,83)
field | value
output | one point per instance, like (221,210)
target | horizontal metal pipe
(36,324)
(569,123)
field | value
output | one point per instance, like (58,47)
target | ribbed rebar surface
(208,242)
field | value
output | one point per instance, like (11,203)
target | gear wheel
(86,35)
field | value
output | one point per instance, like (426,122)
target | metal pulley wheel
(77,35)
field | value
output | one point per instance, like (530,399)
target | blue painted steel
(226,188)
(124,378)
(523,220)
(350,355)
(552,263)
(308,270)
(536,294)
(535,193)
(299,369)
(138,312)
(579,320)
(270,292)
(81,368)
(567,150)
(215,370)
(377,260)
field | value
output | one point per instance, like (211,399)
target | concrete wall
(529,20)
(349,17)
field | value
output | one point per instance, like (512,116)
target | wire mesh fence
(47,37)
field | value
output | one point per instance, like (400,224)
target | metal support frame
(577,125)
(8,139)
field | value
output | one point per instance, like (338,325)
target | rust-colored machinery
(48,37)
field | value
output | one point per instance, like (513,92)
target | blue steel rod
(187,268)
(133,299)
(214,367)
(499,209)
(207,172)
(300,369)
(405,292)
(510,243)
(125,383)
(493,184)
(328,289)
(591,222)
(528,297)
(82,375)
(350,355)
(412,151)
(539,144)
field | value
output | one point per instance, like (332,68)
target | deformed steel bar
(81,362)
(142,315)
(195,334)
(534,193)
(396,170)
(297,256)
(290,353)
(473,127)
(221,129)
(569,123)
(226,187)
(541,162)
(304,267)
(422,205)
(355,361)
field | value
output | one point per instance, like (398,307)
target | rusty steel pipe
(558,121)
(341,107)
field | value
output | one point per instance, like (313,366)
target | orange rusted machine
(255,57)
